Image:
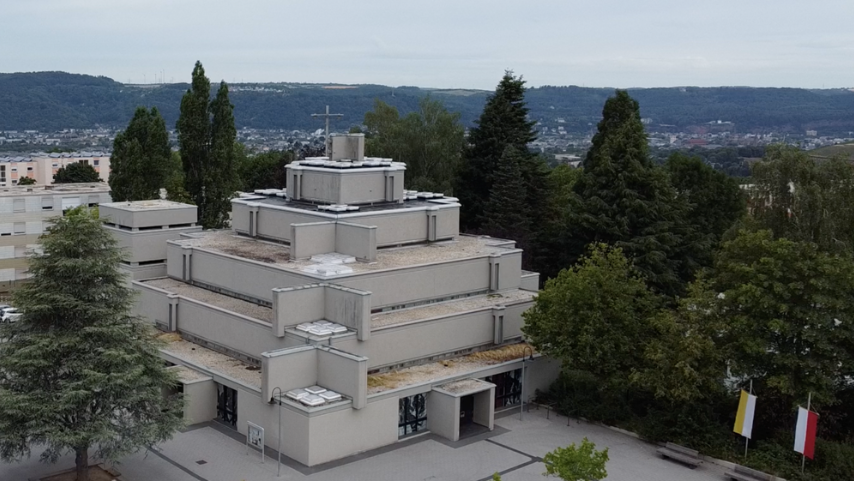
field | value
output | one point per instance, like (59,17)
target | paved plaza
(515,449)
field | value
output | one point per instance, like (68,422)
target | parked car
(7,313)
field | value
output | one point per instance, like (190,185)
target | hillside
(846,150)
(56,100)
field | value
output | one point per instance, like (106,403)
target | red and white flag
(805,432)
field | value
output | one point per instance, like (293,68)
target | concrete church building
(347,305)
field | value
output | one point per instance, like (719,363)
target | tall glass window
(412,414)
(508,388)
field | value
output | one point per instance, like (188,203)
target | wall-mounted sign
(255,438)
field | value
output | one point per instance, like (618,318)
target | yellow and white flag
(744,418)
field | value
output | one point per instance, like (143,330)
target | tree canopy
(76,172)
(429,140)
(802,199)
(140,162)
(207,137)
(595,316)
(577,463)
(624,200)
(504,122)
(78,371)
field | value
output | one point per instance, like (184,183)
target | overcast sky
(439,43)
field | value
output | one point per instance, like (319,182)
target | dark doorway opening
(226,406)
(466,410)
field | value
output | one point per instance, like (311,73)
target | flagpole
(746,439)
(803,455)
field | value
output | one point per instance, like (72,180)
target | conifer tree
(504,122)
(505,214)
(78,372)
(625,201)
(139,165)
(206,136)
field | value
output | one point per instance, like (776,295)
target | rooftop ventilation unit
(315,389)
(297,394)
(312,400)
(330,396)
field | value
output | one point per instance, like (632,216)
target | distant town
(554,139)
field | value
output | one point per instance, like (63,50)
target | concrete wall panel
(530,281)
(295,425)
(311,239)
(291,369)
(343,373)
(356,240)
(152,303)
(242,334)
(350,431)
(397,344)
(200,402)
(295,305)
(443,415)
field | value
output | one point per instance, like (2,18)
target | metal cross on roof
(327,115)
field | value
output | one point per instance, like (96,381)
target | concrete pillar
(253,219)
(484,408)
(173,312)
(432,215)
(389,186)
(494,272)
(187,273)
(498,324)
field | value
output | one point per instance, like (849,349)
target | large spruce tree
(206,137)
(78,372)
(625,201)
(140,162)
(506,214)
(504,122)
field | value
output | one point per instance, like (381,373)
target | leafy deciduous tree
(26,181)
(802,199)
(788,315)
(263,171)
(595,316)
(78,371)
(140,162)
(577,463)
(75,173)
(429,141)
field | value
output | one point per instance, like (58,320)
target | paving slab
(515,450)
(630,459)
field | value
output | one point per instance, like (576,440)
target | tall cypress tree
(624,200)
(219,176)
(206,136)
(139,165)
(194,136)
(504,122)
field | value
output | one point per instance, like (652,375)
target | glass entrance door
(226,406)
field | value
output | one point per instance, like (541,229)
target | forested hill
(56,100)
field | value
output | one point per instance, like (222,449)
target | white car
(9,314)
